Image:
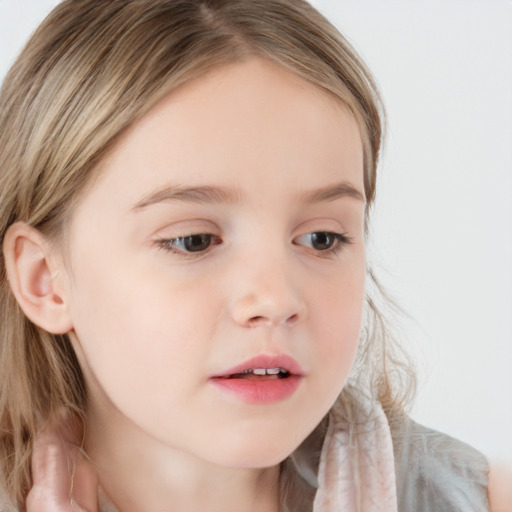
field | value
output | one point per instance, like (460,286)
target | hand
(63,479)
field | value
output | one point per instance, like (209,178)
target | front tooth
(259,371)
(273,371)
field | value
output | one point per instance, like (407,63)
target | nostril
(292,319)
(260,319)
(255,320)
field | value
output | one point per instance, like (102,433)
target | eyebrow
(333,192)
(203,194)
(212,194)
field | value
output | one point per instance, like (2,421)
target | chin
(254,460)
(258,452)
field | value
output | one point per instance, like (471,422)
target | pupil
(322,241)
(196,243)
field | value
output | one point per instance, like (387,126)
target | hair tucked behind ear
(91,70)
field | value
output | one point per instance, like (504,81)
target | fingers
(63,480)
(50,470)
(84,483)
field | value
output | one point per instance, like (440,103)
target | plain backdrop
(442,226)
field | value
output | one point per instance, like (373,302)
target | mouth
(260,374)
(261,380)
(264,367)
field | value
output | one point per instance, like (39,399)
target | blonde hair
(91,70)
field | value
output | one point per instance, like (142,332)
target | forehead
(245,125)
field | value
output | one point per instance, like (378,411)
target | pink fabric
(357,477)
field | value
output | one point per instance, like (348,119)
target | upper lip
(265,361)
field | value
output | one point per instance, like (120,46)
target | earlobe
(32,272)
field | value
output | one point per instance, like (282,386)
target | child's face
(158,313)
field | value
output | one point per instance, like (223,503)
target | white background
(442,228)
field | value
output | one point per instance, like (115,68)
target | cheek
(338,313)
(131,326)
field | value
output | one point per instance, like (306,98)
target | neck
(138,472)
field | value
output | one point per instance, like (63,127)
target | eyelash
(169,244)
(341,240)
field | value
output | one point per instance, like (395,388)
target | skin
(151,323)
(500,487)
(55,453)
(151,326)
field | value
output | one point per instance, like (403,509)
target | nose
(267,296)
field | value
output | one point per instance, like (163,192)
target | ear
(36,278)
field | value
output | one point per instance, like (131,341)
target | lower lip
(260,391)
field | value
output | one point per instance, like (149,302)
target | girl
(189,321)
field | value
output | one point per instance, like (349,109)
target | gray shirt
(437,473)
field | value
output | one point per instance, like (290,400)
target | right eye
(186,245)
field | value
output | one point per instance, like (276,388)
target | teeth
(265,371)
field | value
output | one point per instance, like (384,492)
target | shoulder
(437,472)
(500,487)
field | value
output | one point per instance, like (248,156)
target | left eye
(323,240)
(189,244)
